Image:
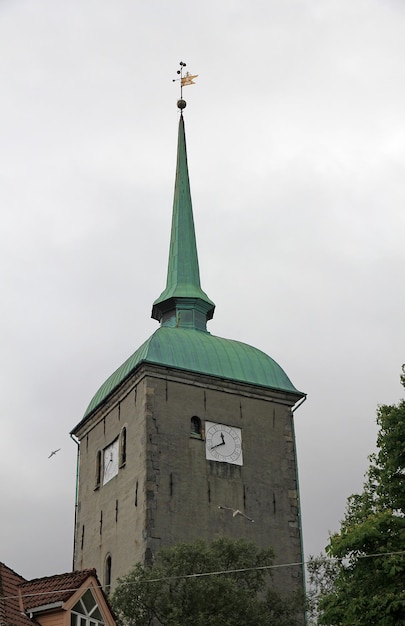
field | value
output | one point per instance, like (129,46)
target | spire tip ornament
(187,79)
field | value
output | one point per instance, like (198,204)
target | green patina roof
(183,274)
(182,341)
(194,351)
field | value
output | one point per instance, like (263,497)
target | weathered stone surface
(168,492)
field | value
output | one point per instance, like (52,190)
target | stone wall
(168,492)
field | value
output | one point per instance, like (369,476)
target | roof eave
(44,607)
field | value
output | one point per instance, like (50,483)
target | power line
(261,567)
(214,573)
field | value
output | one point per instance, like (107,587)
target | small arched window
(195,427)
(123,446)
(107,574)
(98,469)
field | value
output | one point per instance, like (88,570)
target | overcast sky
(296,145)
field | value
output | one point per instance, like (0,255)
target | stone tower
(190,427)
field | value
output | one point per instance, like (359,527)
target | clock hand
(217,446)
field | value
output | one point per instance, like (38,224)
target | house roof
(58,588)
(19,596)
(10,610)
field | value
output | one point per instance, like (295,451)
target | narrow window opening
(82,540)
(123,447)
(107,574)
(195,427)
(101,522)
(98,469)
(116,511)
(136,494)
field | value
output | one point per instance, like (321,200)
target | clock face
(110,461)
(223,443)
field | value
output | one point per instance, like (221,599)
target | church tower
(188,430)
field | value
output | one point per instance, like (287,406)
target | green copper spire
(183,303)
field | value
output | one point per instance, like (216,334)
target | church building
(191,437)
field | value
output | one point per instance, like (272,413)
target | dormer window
(86,612)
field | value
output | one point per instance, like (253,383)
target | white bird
(53,452)
(236,512)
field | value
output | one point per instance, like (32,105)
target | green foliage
(368,584)
(171,594)
(321,575)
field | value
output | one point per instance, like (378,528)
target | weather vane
(185,80)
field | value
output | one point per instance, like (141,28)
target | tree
(368,584)
(321,575)
(200,584)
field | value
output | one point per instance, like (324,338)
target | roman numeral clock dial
(110,462)
(223,443)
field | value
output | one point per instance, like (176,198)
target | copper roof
(194,351)
(183,309)
(183,288)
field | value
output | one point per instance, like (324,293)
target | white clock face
(110,461)
(223,443)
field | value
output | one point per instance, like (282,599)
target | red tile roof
(10,611)
(18,596)
(50,589)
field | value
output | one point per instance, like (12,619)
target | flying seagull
(236,512)
(53,452)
